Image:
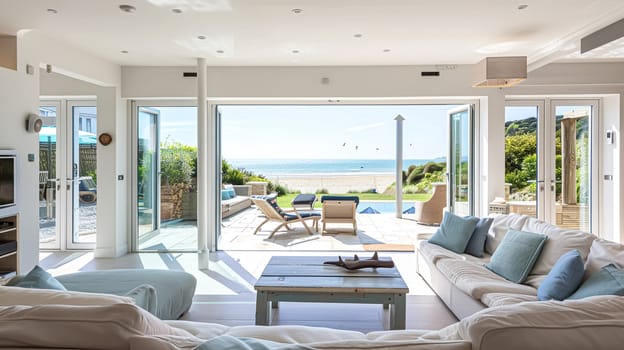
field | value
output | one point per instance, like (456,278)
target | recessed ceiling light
(127,8)
(124,51)
(52,11)
(295,51)
(297,10)
(220,51)
(386,50)
(522,7)
(201,37)
(358,35)
(176,11)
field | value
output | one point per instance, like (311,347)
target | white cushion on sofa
(591,323)
(79,327)
(499,228)
(500,299)
(475,280)
(30,296)
(560,241)
(603,253)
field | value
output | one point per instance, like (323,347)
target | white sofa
(592,323)
(466,286)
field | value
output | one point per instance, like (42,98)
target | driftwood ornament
(356,263)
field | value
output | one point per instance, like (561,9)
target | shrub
(322,191)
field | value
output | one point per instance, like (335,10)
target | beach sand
(335,183)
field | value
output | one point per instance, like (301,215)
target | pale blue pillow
(476,244)
(37,278)
(564,278)
(454,232)
(231,193)
(515,256)
(607,281)
(225,195)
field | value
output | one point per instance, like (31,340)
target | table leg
(263,312)
(397,312)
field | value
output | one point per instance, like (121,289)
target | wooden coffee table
(307,279)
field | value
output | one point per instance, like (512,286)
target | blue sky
(323,132)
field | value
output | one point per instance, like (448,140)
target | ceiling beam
(603,36)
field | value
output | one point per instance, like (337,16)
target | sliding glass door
(165,177)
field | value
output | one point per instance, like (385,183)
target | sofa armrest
(242,190)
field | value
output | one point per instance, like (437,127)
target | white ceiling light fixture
(500,71)
(127,8)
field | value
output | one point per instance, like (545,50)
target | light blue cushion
(231,193)
(476,244)
(564,278)
(454,232)
(225,195)
(607,281)
(37,278)
(516,254)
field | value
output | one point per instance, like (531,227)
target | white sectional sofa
(466,286)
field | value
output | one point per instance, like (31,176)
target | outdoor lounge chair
(340,209)
(430,212)
(273,212)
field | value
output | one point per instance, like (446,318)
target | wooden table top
(309,274)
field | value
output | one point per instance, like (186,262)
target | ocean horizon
(294,167)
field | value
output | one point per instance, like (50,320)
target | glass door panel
(49,112)
(522,184)
(460,161)
(572,165)
(166,173)
(147,173)
(82,173)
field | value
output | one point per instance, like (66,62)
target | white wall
(112,229)
(18,98)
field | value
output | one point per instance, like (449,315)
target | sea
(294,167)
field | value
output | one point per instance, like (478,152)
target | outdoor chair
(430,212)
(273,212)
(339,209)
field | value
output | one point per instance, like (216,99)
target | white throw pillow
(603,253)
(30,296)
(499,228)
(79,327)
(560,241)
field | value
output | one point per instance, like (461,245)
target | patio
(382,232)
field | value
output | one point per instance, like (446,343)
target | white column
(399,165)
(202,166)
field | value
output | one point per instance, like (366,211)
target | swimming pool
(384,207)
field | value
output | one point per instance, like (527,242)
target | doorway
(551,162)
(68,174)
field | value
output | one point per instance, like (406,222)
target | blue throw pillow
(37,278)
(454,232)
(516,254)
(564,278)
(476,244)
(225,195)
(231,193)
(607,281)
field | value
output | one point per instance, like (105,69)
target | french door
(551,161)
(460,162)
(68,174)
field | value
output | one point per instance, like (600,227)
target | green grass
(285,200)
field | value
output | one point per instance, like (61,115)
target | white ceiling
(265,32)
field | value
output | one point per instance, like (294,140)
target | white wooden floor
(225,291)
